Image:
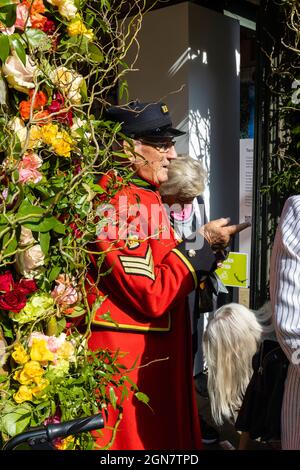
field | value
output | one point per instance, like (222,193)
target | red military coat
(146,293)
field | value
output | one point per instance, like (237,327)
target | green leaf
(44,242)
(37,39)
(95,53)
(4,47)
(96,188)
(83,91)
(5,3)
(54,272)
(15,419)
(142,397)
(113,398)
(8,15)
(11,247)
(45,225)
(61,325)
(18,47)
(27,208)
(123,90)
(77,312)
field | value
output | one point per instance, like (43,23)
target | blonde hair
(230,341)
(186,178)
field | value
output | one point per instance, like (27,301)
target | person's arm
(148,286)
(139,281)
(285,280)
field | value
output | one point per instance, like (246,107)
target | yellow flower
(41,384)
(65,442)
(30,371)
(19,354)
(49,133)
(77,27)
(24,380)
(39,351)
(35,136)
(23,394)
(66,350)
(62,145)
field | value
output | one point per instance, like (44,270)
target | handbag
(260,412)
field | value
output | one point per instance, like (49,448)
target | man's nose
(172,153)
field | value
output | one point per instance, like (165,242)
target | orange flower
(36,6)
(25,109)
(40,99)
(38,21)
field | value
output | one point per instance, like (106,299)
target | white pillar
(196,50)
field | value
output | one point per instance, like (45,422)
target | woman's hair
(186,178)
(230,341)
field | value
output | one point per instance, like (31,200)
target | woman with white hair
(246,371)
(182,197)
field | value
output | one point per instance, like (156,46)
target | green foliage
(284,81)
(58,74)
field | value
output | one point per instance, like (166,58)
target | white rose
(26,237)
(69,82)
(18,75)
(79,124)
(67,9)
(28,262)
(18,127)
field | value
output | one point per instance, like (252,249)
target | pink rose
(28,168)
(23,18)
(64,293)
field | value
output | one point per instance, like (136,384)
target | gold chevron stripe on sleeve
(139,265)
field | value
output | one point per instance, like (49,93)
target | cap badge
(164,108)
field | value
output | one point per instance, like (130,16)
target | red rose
(27,286)
(49,27)
(6,282)
(14,300)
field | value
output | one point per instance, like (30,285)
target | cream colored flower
(28,262)
(26,237)
(17,126)
(19,76)
(66,8)
(69,82)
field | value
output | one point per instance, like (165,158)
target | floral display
(60,61)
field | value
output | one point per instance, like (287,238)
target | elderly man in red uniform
(149,277)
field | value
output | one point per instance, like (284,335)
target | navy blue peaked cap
(149,120)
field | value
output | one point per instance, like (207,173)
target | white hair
(186,178)
(230,341)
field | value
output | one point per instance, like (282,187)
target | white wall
(197,48)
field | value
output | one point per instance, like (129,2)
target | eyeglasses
(161,147)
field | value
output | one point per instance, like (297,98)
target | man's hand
(218,232)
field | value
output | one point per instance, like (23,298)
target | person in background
(285,299)
(148,275)
(182,193)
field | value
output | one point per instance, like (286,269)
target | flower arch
(60,63)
